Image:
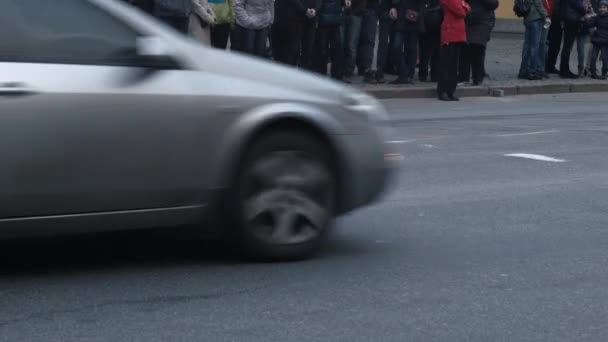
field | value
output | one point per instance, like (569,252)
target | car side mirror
(155,53)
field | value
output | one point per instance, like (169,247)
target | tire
(284,196)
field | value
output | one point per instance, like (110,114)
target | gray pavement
(469,245)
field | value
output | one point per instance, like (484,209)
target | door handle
(15,89)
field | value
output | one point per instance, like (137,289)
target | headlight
(367,105)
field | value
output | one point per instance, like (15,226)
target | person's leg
(464,64)
(570,32)
(443,71)
(595,51)
(581,41)
(384,30)
(477,63)
(524,68)
(321,50)
(367,40)
(411,53)
(279,36)
(535,69)
(604,50)
(337,53)
(542,53)
(220,35)
(352,29)
(397,54)
(425,47)
(455,50)
(554,40)
(293,37)
(435,39)
(308,45)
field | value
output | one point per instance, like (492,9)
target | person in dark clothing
(386,19)
(453,35)
(329,38)
(405,41)
(554,37)
(175,13)
(572,12)
(479,25)
(599,39)
(351,31)
(294,31)
(429,41)
(367,40)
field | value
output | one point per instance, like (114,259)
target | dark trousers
(178,23)
(571,30)
(384,33)
(555,41)
(595,52)
(293,42)
(472,61)
(253,41)
(448,63)
(329,46)
(429,44)
(220,34)
(367,40)
(405,52)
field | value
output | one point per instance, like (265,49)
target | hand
(310,13)
(393,13)
(548,21)
(348,4)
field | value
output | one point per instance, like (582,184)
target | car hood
(231,64)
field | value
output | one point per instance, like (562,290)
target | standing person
(599,39)
(583,38)
(573,12)
(453,35)
(221,32)
(429,41)
(367,40)
(544,44)
(253,21)
(202,19)
(329,38)
(479,24)
(294,31)
(351,31)
(555,35)
(409,23)
(386,18)
(175,13)
(534,20)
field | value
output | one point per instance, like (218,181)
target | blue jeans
(367,40)
(253,41)
(530,56)
(581,41)
(544,47)
(405,49)
(384,33)
(350,33)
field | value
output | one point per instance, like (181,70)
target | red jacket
(453,29)
(548,4)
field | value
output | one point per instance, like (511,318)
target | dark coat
(572,10)
(453,28)
(330,13)
(357,7)
(480,21)
(402,24)
(600,36)
(286,10)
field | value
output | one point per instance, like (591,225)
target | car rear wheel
(285,196)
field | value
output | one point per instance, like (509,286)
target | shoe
(443,97)
(581,71)
(551,70)
(453,98)
(400,81)
(370,78)
(535,77)
(595,76)
(568,75)
(347,79)
(587,72)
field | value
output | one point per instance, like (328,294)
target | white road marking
(527,133)
(400,141)
(535,157)
(427,145)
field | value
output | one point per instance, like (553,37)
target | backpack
(521,8)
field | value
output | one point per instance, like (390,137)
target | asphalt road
(470,245)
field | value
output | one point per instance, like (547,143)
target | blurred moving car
(110,120)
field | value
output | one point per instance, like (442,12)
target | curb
(485,91)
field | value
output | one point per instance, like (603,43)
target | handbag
(411,16)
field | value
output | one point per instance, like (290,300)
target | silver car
(110,120)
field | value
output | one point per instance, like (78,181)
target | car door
(83,128)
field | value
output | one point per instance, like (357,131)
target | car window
(63,31)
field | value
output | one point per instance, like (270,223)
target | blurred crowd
(444,39)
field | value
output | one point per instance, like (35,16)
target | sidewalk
(502,64)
